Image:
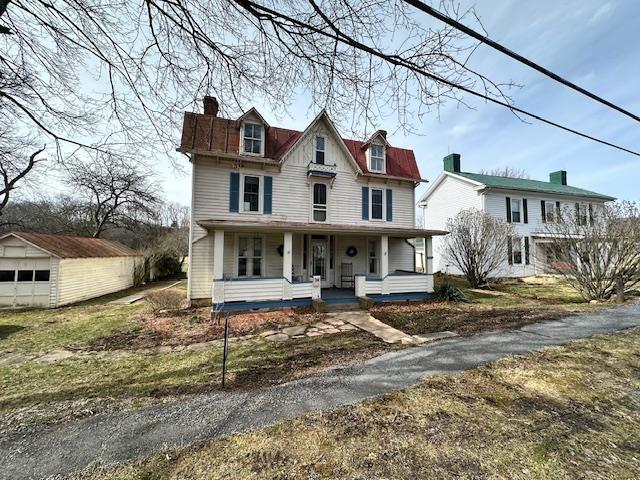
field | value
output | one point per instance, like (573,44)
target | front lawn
(565,412)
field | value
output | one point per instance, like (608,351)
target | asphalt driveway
(124,436)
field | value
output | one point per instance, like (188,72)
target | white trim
(384,158)
(262,138)
(444,174)
(384,204)
(334,130)
(255,112)
(236,253)
(312,204)
(260,194)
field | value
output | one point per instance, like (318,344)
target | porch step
(342,307)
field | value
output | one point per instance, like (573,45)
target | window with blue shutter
(365,203)
(268,195)
(389,205)
(234,192)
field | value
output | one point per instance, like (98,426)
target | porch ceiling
(323,228)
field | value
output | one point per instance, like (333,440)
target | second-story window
(376,204)
(515,210)
(582,213)
(550,212)
(376,160)
(252,138)
(251,194)
(319,202)
(320,149)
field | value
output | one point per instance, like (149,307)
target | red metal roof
(67,246)
(206,132)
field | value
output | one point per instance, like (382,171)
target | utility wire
(486,40)
(256,10)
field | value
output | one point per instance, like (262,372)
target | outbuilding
(44,270)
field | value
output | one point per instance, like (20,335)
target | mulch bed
(429,317)
(195,326)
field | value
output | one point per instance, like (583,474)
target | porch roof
(322,228)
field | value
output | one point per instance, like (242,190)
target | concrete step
(342,307)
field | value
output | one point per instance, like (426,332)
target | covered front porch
(258,263)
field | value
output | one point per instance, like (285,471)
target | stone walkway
(67,448)
(332,325)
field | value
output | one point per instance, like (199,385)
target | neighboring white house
(527,204)
(283,216)
(42,270)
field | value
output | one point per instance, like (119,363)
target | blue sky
(592,43)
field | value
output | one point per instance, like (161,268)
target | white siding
(401,255)
(291,201)
(449,197)
(84,278)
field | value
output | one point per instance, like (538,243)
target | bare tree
(116,192)
(148,61)
(18,157)
(477,244)
(509,172)
(597,248)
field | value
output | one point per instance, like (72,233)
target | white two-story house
(527,204)
(281,217)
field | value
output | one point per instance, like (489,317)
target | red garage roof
(67,246)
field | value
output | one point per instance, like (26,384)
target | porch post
(428,255)
(384,263)
(384,256)
(218,263)
(287,263)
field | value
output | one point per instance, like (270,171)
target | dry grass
(567,412)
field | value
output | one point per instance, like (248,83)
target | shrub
(139,274)
(168,299)
(167,265)
(449,293)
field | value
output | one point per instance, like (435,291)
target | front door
(320,260)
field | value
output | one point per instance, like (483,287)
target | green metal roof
(531,185)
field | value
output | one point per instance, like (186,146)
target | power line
(486,40)
(399,61)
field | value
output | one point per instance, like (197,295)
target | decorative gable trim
(255,112)
(323,115)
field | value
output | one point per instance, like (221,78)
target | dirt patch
(430,317)
(195,326)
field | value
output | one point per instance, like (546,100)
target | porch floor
(339,295)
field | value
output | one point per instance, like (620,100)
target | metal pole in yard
(226,348)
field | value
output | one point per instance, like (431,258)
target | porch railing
(262,289)
(394,283)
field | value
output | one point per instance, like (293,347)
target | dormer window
(320,145)
(252,138)
(376,158)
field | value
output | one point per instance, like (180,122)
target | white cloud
(599,13)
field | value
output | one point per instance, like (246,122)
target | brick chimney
(452,163)
(559,177)
(210,105)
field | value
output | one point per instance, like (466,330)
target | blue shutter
(234,191)
(508,210)
(268,187)
(365,203)
(389,205)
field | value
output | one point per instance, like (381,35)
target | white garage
(43,270)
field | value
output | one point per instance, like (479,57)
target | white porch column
(384,263)
(218,264)
(428,255)
(287,264)
(384,256)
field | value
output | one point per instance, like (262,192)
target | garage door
(24,282)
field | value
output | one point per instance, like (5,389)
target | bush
(168,299)
(139,274)
(167,265)
(449,293)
